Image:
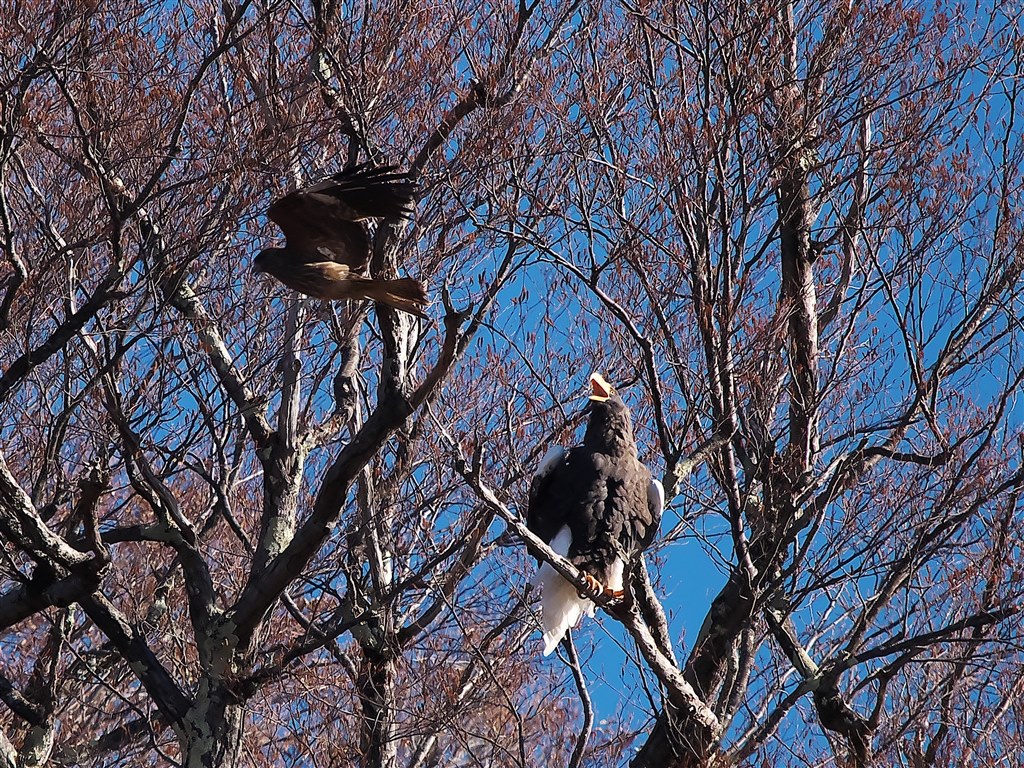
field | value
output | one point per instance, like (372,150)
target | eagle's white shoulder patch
(656,497)
(552,459)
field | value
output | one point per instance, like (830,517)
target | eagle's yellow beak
(601,390)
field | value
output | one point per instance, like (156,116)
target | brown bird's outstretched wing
(322,221)
(365,192)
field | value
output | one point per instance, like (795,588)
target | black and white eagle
(594,504)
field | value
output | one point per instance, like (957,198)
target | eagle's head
(610,428)
(600,390)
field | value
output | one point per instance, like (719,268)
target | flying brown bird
(328,246)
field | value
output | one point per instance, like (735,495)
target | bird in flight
(328,246)
(596,505)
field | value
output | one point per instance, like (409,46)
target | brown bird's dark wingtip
(369,191)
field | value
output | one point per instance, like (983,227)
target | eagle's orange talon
(594,585)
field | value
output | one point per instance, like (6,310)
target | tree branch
(587,726)
(391,412)
(132,646)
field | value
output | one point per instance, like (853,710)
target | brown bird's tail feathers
(371,192)
(405,293)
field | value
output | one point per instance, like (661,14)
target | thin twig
(588,709)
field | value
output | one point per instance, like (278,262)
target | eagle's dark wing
(322,221)
(642,515)
(554,515)
(545,515)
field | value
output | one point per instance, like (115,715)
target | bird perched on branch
(328,246)
(596,505)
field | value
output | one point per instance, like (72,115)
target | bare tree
(241,527)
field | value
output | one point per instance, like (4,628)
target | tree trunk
(376,684)
(211,732)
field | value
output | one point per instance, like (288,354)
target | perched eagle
(327,244)
(594,504)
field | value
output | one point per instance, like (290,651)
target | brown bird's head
(267,259)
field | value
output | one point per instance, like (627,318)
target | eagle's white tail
(560,603)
